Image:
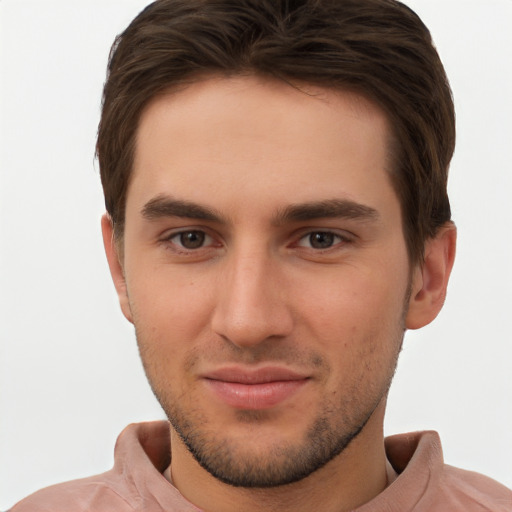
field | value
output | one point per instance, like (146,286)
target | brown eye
(191,239)
(322,239)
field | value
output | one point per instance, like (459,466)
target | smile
(252,390)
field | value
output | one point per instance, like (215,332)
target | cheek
(163,295)
(357,312)
(168,334)
(171,315)
(358,328)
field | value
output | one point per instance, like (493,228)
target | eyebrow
(166,206)
(331,208)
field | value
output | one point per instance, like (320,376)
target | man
(275,181)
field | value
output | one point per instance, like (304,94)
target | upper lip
(246,375)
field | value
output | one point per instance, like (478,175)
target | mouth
(253,389)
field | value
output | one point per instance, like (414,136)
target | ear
(430,279)
(115,265)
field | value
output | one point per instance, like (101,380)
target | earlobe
(430,280)
(115,265)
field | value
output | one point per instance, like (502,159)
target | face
(265,271)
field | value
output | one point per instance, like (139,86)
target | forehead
(247,137)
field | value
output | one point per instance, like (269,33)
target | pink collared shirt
(142,454)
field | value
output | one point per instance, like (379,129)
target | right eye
(191,239)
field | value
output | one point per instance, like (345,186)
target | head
(378,48)
(275,181)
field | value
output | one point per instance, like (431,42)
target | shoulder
(468,490)
(93,493)
(135,482)
(426,484)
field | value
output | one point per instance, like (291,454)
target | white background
(70,378)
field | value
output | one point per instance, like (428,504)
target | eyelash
(180,247)
(338,240)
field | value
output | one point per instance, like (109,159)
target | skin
(258,274)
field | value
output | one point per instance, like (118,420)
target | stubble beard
(336,425)
(274,466)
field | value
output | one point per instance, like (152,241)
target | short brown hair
(379,48)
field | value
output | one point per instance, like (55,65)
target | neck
(351,479)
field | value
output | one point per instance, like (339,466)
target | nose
(251,305)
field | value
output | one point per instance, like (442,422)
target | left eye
(193,239)
(320,240)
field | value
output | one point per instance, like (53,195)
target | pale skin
(263,235)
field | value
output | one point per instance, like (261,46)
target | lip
(254,389)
